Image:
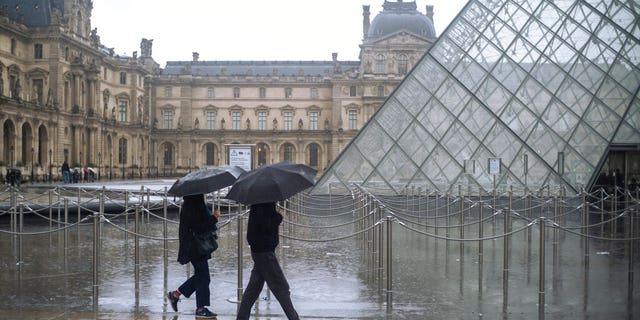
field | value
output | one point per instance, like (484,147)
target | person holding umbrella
(263,237)
(195,217)
(262,188)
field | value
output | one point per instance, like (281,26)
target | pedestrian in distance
(263,238)
(195,217)
(66,172)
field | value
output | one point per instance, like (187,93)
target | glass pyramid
(545,86)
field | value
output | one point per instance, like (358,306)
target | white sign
(241,157)
(494,165)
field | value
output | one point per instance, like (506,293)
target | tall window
(288,120)
(211,93)
(122,111)
(288,92)
(104,70)
(403,64)
(262,154)
(168,154)
(168,91)
(352,91)
(313,155)
(379,67)
(353,120)
(288,152)
(263,92)
(210,149)
(235,120)
(123,78)
(211,120)
(236,92)
(37,51)
(168,119)
(13,46)
(314,93)
(122,151)
(313,120)
(262,120)
(380,91)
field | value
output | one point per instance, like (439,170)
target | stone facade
(66,96)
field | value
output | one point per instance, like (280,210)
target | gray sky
(245,29)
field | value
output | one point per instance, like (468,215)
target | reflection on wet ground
(332,264)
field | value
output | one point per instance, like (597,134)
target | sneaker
(173,301)
(205,314)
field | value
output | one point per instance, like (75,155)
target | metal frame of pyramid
(546,86)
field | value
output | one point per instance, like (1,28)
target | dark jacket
(262,229)
(194,217)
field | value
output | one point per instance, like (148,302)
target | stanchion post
(20,229)
(389,223)
(541,276)
(96,259)
(630,249)
(240,238)
(136,237)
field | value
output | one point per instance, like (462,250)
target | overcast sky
(245,29)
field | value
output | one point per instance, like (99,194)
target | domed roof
(397,16)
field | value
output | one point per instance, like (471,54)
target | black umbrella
(206,180)
(272,183)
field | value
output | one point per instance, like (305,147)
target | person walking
(195,217)
(263,237)
(66,172)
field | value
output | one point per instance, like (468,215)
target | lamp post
(32,159)
(123,173)
(50,155)
(99,163)
(140,167)
(110,165)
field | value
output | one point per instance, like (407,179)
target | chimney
(430,12)
(196,56)
(334,56)
(366,22)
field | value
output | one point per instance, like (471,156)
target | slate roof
(258,68)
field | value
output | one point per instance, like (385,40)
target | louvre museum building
(519,93)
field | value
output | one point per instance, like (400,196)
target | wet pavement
(49,275)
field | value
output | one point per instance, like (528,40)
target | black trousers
(266,269)
(198,283)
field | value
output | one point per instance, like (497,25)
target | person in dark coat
(66,172)
(195,217)
(263,237)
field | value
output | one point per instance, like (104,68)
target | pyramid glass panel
(508,78)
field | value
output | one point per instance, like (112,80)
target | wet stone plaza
(87,252)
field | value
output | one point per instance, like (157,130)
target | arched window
(262,154)
(313,154)
(122,151)
(168,154)
(287,152)
(210,154)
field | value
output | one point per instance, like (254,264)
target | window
(288,92)
(402,64)
(122,111)
(288,120)
(352,91)
(353,120)
(236,92)
(288,152)
(37,51)
(168,119)
(210,153)
(313,155)
(168,154)
(168,91)
(314,93)
(13,46)
(123,78)
(122,151)
(211,120)
(235,120)
(262,154)
(211,93)
(263,92)
(104,72)
(379,67)
(66,56)
(313,120)
(262,120)
(380,91)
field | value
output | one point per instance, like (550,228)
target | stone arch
(27,143)
(8,142)
(313,154)
(288,152)
(263,154)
